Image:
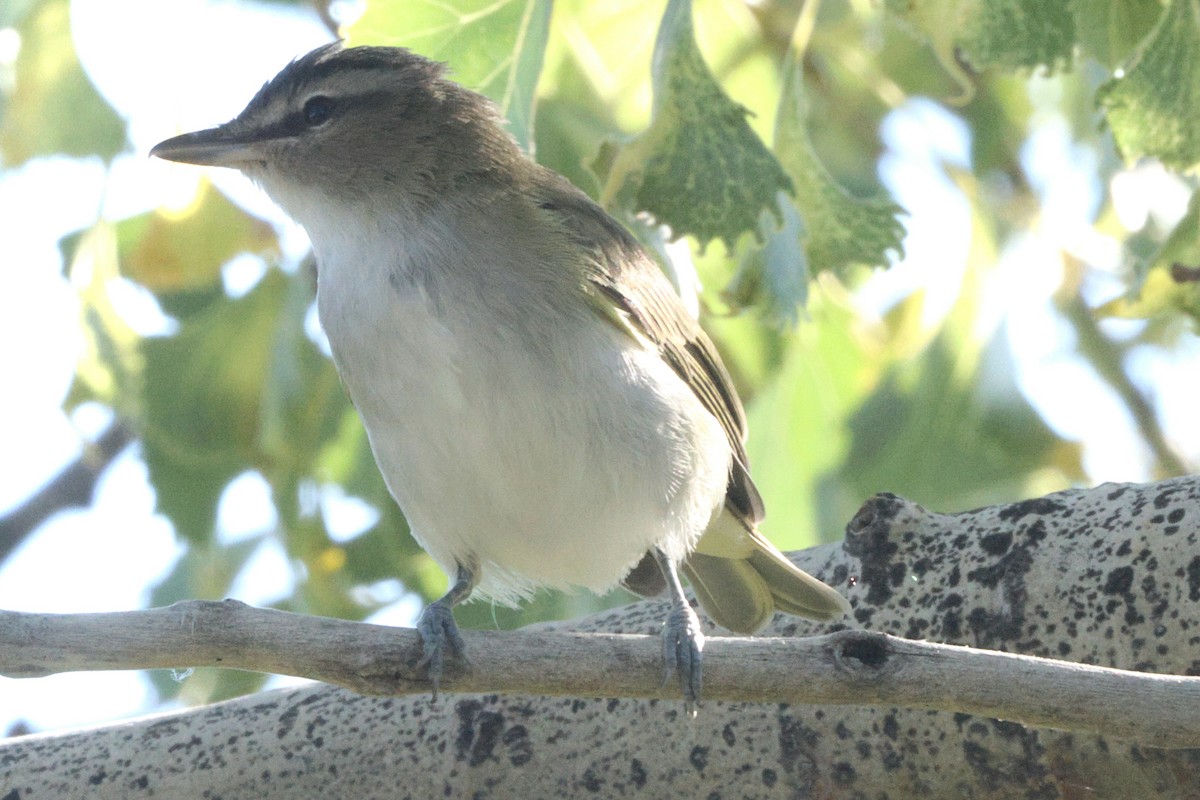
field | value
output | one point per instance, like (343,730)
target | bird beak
(215,147)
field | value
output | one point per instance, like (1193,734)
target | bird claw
(683,642)
(439,633)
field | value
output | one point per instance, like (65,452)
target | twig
(71,488)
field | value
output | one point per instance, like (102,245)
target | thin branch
(71,488)
(1107,358)
(843,668)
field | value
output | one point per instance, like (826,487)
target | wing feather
(622,273)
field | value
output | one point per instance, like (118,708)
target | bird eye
(318,110)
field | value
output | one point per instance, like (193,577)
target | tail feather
(742,581)
(794,590)
(731,592)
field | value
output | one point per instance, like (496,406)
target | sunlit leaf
(941,435)
(175,250)
(698,168)
(795,433)
(1018,34)
(110,363)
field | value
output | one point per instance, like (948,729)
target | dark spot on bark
(1039,506)
(188,745)
(891,728)
(699,758)
(637,773)
(1119,581)
(286,720)
(843,774)
(520,746)
(996,544)
(867,540)
(797,743)
(478,732)
(1193,578)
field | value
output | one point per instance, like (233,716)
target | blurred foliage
(52,108)
(755,124)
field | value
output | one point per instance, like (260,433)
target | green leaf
(1151,104)
(935,431)
(1109,30)
(203,401)
(53,108)
(698,168)
(796,430)
(843,230)
(303,402)
(1009,34)
(1018,34)
(495,48)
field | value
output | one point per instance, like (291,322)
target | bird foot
(682,642)
(439,633)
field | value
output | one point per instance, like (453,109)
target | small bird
(540,403)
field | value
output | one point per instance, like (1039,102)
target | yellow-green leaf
(53,108)
(110,361)
(171,251)
(203,395)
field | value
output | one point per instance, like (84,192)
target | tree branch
(1108,576)
(844,668)
(70,488)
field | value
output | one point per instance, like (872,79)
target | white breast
(555,460)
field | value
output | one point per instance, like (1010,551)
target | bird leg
(439,631)
(682,638)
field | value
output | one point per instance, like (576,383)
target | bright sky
(193,63)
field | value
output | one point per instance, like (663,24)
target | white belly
(560,470)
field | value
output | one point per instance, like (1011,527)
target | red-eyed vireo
(540,403)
